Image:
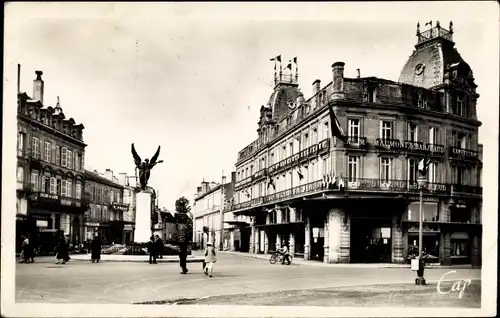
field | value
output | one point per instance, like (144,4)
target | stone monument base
(143,230)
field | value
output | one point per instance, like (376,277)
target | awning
(237,223)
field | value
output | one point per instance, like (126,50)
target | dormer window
(372,95)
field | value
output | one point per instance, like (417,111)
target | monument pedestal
(143,229)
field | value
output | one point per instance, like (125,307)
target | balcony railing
(466,189)
(356,142)
(28,153)
(373,184)
(461,153)
(291,193)
(388,144)
(284,126)
(360,184)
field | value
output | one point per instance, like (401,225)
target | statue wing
(137,159)
(155,157)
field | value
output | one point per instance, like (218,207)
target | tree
(182,205)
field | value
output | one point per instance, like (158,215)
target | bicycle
(278,257)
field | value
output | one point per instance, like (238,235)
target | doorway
(370,240)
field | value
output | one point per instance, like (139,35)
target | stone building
(105,216)
(355,199)
(206,213)
(50,168)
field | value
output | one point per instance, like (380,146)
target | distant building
(206,213)
(107,209)
(50,168)
(130,188)
(356,199)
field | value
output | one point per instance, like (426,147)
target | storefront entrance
(371,240)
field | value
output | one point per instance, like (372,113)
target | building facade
(356,199)
(206,215)
(105,217)
(130,189)
(50,168)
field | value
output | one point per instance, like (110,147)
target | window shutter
(63,188)
(52,185)
(63,157)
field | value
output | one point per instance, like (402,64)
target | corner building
(50,169)
(357,200)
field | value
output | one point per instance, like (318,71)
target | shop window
(460,215)
(430,247)
(430,212)
(459,245)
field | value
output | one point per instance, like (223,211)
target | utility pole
(221,234)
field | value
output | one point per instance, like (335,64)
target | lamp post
(221,234)
(420,280)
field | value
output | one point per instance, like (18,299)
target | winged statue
(145,166)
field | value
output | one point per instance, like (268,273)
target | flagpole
(275,75)
(296,70)
(281,69)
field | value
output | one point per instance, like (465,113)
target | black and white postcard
(277,159)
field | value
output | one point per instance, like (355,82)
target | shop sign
(389,144)
(464,153)
(48,196)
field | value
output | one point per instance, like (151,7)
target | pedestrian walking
(184,238)
(62,253)
(159,246)
(152,250)
(95,249)
(210,259)
(25,250)
(30,249)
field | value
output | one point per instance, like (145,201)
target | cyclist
(286,255)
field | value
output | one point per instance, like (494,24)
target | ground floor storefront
(371,230)
(41,216)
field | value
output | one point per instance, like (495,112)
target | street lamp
(420,280)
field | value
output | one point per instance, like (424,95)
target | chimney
(359,73)
(18,78)
(38,87)
(338,80)
(122,178)
(233,177)
(109,174)
(204,186)
(316,86)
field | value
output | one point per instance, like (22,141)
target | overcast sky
(192,77)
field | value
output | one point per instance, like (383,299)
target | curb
(321,264)
(128,260)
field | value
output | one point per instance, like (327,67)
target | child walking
(210,259)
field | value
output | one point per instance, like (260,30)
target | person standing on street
(152,247)
(159,246)
(95,249)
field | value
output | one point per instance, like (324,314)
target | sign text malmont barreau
(396,144)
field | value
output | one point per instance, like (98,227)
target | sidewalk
(300,261)
(138,258)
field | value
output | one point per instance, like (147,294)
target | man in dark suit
(184,240)
(152,250)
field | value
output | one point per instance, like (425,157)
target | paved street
(127,283)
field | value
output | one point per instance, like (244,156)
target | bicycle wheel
(272,260)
